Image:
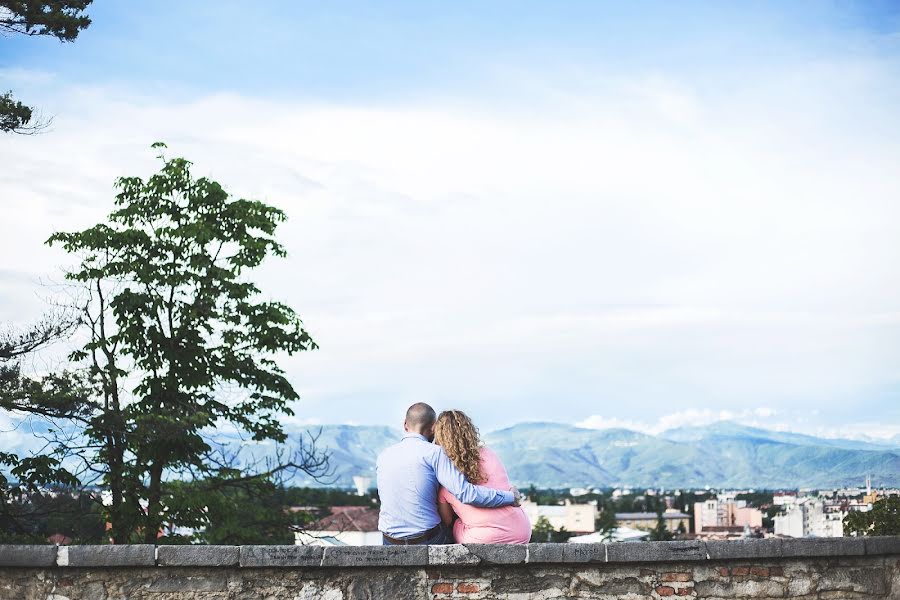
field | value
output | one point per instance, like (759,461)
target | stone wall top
(463,555)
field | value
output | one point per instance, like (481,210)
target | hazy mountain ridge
(724,454)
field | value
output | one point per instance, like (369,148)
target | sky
(641,214)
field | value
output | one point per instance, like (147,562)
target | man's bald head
(420,418)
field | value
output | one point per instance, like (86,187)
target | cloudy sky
(638,214)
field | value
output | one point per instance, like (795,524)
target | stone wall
(839,568)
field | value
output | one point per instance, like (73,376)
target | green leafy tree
(543,531)
(44,398)
(883,519)
(179,344)
(61,19)
(606,521)
(661,532)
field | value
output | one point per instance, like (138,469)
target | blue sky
(641,214)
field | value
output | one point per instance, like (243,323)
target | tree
(661,532)
(543,531)
(62,19)
(178,345)
(883,519)
(45,397)
(606,521)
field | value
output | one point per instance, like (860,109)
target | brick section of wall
(815,572)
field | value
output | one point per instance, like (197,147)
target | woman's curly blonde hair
(458,436)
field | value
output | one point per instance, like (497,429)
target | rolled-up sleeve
(476,495)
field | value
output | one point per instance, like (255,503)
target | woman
(456,434)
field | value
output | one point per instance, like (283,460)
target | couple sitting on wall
(440,485)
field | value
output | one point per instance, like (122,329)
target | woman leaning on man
(458,436)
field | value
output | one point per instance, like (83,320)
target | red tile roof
(347,518)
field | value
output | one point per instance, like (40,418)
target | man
(409,475)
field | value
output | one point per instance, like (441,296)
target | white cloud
(653,244)
(756,417)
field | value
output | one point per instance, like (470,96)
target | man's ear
(405,427)
(430,433)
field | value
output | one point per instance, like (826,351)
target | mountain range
(723,454)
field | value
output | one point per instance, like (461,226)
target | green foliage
(606,521)
(883,519)
(61,19)
(36,517)
(14,116)
(180,343)
(48,397)
(543,531)
(660,533)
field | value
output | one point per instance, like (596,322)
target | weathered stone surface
(656,552)
(375,556)
(610,582)
(396,585)
(745,589)
(198,556)
(738,549)
(281,556)
(15,555)
(451,554)
(529,582)
(566,553)
(883,545)
(791,547)
(499,554)
(874,581)
(212,582)
(126,555)
(347,573)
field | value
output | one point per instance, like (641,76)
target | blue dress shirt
(409,475)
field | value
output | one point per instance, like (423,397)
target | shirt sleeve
(455,482)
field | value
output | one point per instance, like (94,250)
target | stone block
(393,586)
(375,556)
(744,549)
(198,556)
(499,554)
(16,555)
(281,556)
(125,555)
(873,581)
(745,589)
(626,552)
(530,584)
(800,547)
(451,554)
(213,582)
(889,544)
(566,553)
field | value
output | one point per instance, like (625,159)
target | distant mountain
(724,454)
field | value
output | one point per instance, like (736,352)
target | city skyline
(605,215)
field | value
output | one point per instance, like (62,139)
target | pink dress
(506,525)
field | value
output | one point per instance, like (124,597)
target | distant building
(345,526)
(575,518)
(784,498)
(619,534)
(725,512)
(810,517)
(646,521)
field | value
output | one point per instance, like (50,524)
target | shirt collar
(413,435)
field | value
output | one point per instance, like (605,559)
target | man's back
(407,487)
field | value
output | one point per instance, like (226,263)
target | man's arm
(455,482)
